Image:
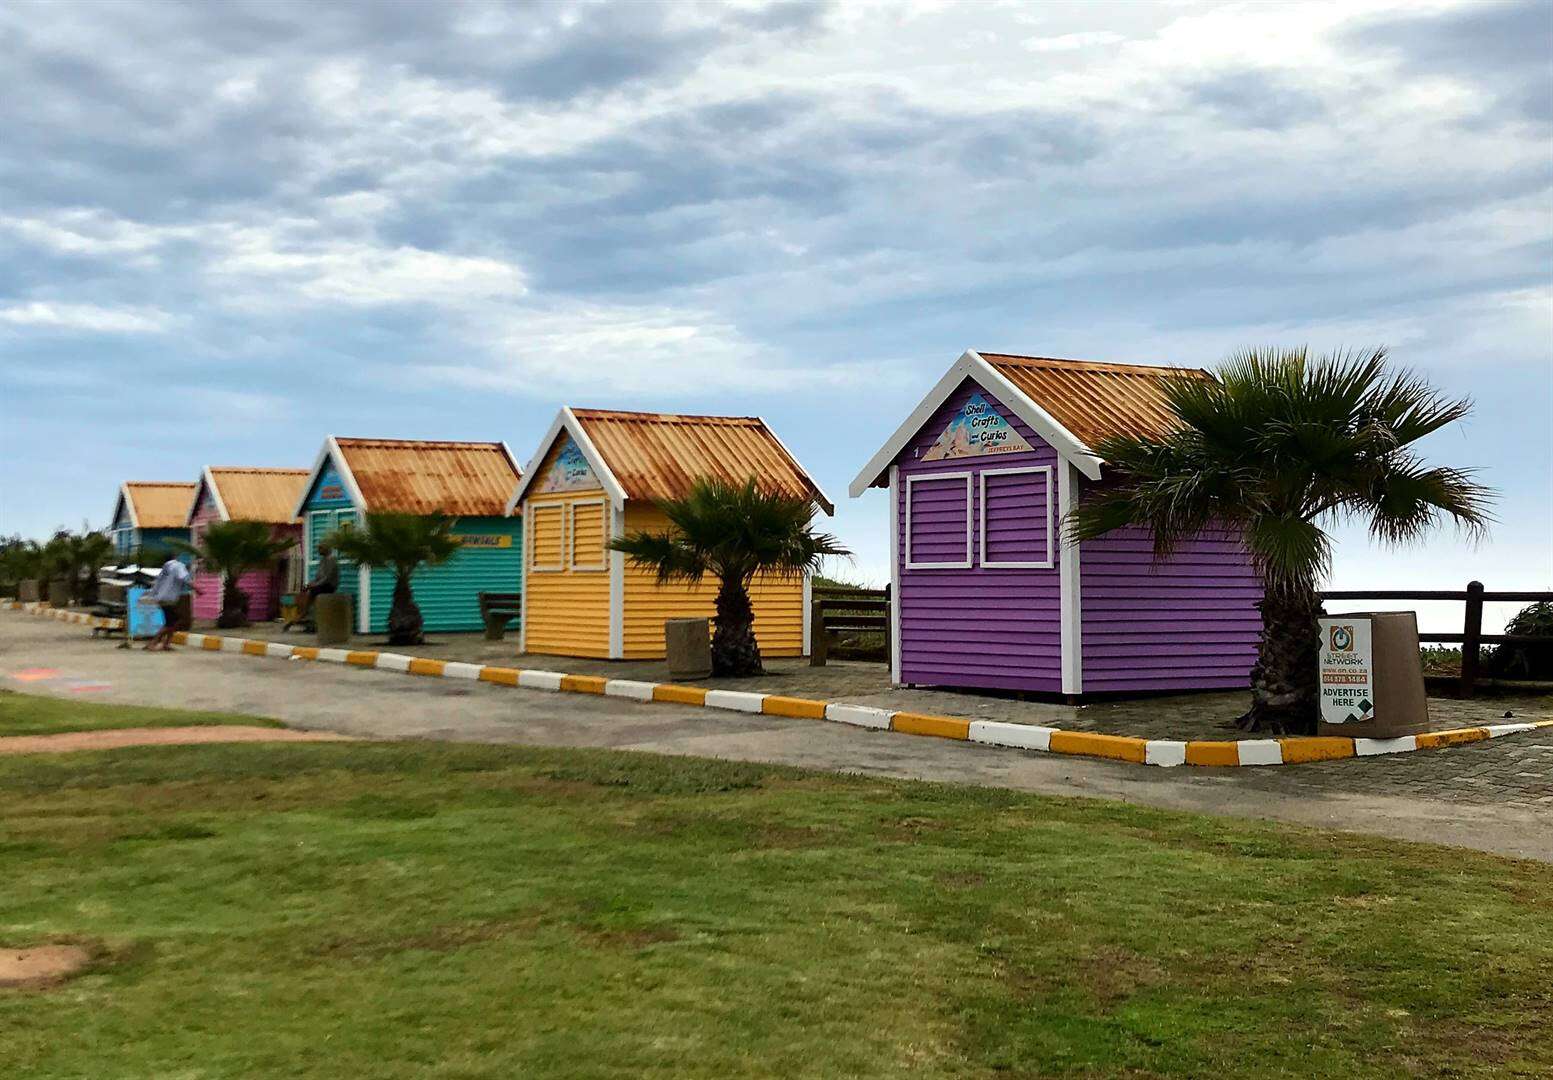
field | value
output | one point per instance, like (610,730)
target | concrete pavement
(1494,796)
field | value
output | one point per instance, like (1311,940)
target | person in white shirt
(165,592)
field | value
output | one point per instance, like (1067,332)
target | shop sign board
(977,429)
(1347,669)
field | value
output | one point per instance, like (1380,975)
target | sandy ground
(162,736)
(1395,796)
(41,965)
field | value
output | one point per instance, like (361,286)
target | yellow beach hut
(599,474)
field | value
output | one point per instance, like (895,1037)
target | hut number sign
(1347,669)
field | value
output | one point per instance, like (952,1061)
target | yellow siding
(567,610)
(587,535)
(778,602)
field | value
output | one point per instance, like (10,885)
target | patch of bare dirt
(114,738)
(41,965)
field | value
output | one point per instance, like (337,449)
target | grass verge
(30,714)
(414,910)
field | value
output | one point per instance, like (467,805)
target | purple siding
(1187,623)
(977,627)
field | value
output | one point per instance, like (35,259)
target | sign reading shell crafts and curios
(569,471)
(1347,669)
(977,429)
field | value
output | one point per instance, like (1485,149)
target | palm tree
(20,560)
(403,542)
(232,549)
(732,531)
(80,555)
(1281,444)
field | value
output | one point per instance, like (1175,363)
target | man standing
(326,579)
(165,592)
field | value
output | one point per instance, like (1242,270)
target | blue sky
(228,230)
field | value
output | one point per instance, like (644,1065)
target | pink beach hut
(238,494)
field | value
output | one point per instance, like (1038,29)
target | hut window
(938,521)
(1016,518)
(587,540)
(547,532)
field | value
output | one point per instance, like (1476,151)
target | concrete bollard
(332,616)
(688,647)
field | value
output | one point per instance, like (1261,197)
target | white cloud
(1068,42)
(87,318)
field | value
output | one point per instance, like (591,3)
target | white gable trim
(971,366)
(127,503)
(825,503)
(567,421)
(331,449)
(207,483)
(517,471)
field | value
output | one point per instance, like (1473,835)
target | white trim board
(1069,586)
(570,555)
(981,518)
(534,510)
(928,478)
(331,448)
(895,576)
(971,366)
(617,587)
(567,421)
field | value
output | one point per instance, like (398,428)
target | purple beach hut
(988,595)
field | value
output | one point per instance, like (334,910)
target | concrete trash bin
(59,593)
(1371,676)
(28,591)
(332,615)
(688,647)
(496,625)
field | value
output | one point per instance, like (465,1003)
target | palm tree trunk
(405,624)
(735,652)
(1284,681)
(234,603)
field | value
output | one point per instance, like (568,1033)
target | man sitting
(326,579)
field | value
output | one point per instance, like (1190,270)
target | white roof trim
(129,504)
(825,503)
(567,420)
(516,468)
(331,448)
(207,482)
(970,365)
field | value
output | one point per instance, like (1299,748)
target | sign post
(1370,675)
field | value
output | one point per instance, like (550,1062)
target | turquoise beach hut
(469,481)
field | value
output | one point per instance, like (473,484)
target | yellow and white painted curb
(1162,752)
(96,622)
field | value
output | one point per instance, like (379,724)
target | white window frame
(969,519)
(571,530)
(1050,561)
(310,554)
(533,525)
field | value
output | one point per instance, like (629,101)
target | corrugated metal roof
(159,505)
(1094,400)
(267,495)
(661,455)
(413,476)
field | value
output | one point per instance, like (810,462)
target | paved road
(1494,796)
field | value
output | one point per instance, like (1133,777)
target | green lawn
(435,910)
(27,714)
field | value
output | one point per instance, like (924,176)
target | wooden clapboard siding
(977,627)
(1187,622)
(262,587)
(567,609)
(449,594)
(778,602)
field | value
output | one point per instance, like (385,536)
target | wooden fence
(1471,637)
(859,612)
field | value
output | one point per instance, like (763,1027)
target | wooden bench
(498,609)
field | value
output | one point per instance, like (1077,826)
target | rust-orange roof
(414,476)
(1093,400)
(267,495)
(156,504)
(661,455)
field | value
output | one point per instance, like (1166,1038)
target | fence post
(1471,636)
(889,625)
(819,641)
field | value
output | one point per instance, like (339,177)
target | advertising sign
(569,471)
(484,540)
(977,429)
(1347,666)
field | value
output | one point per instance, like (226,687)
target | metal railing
(843,611)
(1471,637)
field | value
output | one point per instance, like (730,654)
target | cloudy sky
(227,230)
